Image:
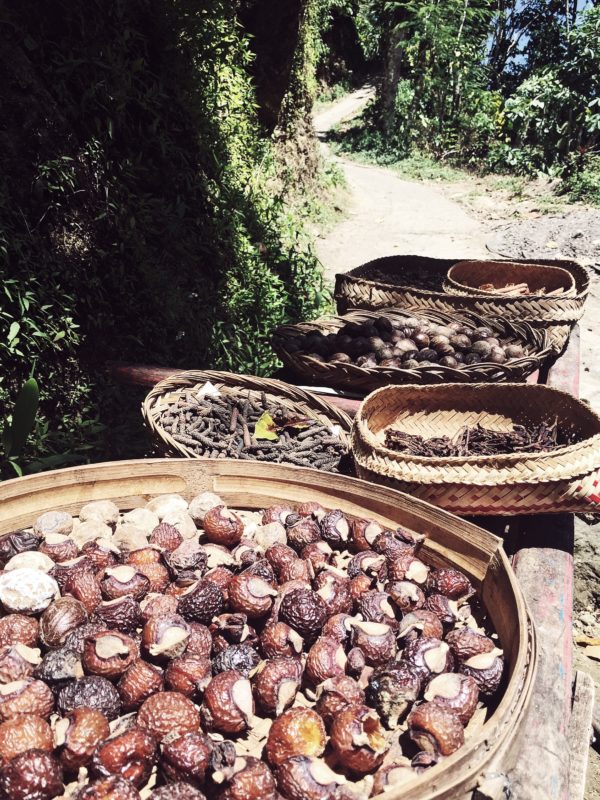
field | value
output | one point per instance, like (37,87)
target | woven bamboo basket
(396,287)
(167,393)
(490,747)
(565,479)
(467,277)
(361,379)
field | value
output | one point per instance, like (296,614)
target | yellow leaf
(265,428)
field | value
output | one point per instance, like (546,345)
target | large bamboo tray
(362,379)
(449,541)
(561,480)
(556,314)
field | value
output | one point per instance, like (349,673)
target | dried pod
(459,693)
(138,683)
(157,574)
(241,657)
(228,705)
(429,656)
(406,595)
(100,553)
(202,602)
(130,754)
(165,637)
(166,536)
(336,693)
(326,659)
(335,529)
(334,590)
(391,544)
(262,569)
(27,696)
(375,607)
(393,690)
(435,729)
(304,611)
(338,627)
(122,580)
(307,778)
(278,640)
(158,605)
(276,684)
(247,553)
(76,639)
(18,628)
(420,623)
(187,758)
(356,662)
(59,547)
(363,533)
(59,667)
(298,569)
(358,740)
(85,587)
(221,577)
(250,779)
(297,732)
(24,732)
(445,610)
(200,641)
(188,556)
(223,527)
(32,775)
(27,591)
(375,639)
(465,643)
(188,675)
(301,532)
(451,583)
(168,713)
(17,662)
(123,614)
(59,619)
(114,788)
(276,514)
(109,653)
(251,595)
(92,691)
(78,734)
(407,567)
(311,509)
(53,522)
(368,563)
(486,669)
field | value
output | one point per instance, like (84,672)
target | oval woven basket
(468,277)
(362,379)
(167,393)
(565,479)
(398,282)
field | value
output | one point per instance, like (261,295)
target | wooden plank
(580,733)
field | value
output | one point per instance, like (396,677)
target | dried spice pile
(520,289)
(181,651)
(431,278)
(220,426)
(476,441)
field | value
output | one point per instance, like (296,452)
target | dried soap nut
(100,553)
(276,514)
(129,537)
(459,693)
(279,555)
(363,533)
(393,690)
(228,705)
(59,667)
(307,778)
(77,735)
(32,775)
(356,662)
(123,613)
(157,575)
(59,547)
(18,661)
(326,659)
(92,691)
(85,587)
(26,696)
(338,627)
(375,607)
(266,536)
(445,610)
(250,779)
(359,585)
(276,683)
(298,569)
(375,639)
(391,775)
(168,713)
(27,591)
(188,556)
(175,791)
(144,555)
(200,642)
(165,637)
(223,527)
(406,595)
(66,569)
(130,754)
(311,509)
(451,583)
(59,619)
(202,504)
(420,623)
(394,543)
(334,694)
(76,639)
(466,643)
(109,653)
(53,522)
(429,656)
(187,758)
(297,732)
(335,590)
(158,605)
(279,640)
(142,518)
(304,611)
(166,504)
(487,670)
(407,568)
(166,537)
(301,532)
(318,553)
(221,577)
(335,529)
(368,563)
(122,580)
(242,657)
(101,511)
(90,532)
(11,544)
(24,732)
(139,682)
(261,568)
(188,675)
(113,788)
(358,740)
(201,602)
(182,521)
(435,729)
(251,595)
(30,559)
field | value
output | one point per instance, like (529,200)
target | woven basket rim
(453,284)
(366,447)
(189,380)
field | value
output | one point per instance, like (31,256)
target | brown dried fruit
(359,585)
(251,779)
(221,577)
(390,545)
(276,514)
(391,775)
(486,669)
(251,595)
(130,754)
(91,691)
(276,684)
(122,580)
(297,732)
(201,603)
(338,627)
(435,729)
(279,556)
(406,595)
(166,536)
(335,591)
(278,640)
(393,690)
(109,653)
(335,529)
(168,713)
(67,569)
(420,623)
(188,556)
(158,605)
(301,532)
(363,533)
(200,641)
(242,657)
(228,705)
(138,683)
(188,675)
(334,694)
(85,587)
(358,740)
(18,628)
(113,788)
(429,656)
(78,734)
(177,791)
(406,567)
(376,640)
(375,607)
(445,610)
(307,778)
(304,611)
(59,547)
(27,696)
(157,574)
(187,758)
(165,637)
(296,570)
(457,692)
(366,563)
(76,639)
(100,553)
(451,583)
(24,732)
(17,662)
(123,614)
(466,643)
(326,659)
(356,662)
(33,775)
(59,619)
(318,553)
(223,527)
(143,555)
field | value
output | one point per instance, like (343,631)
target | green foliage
(17,430)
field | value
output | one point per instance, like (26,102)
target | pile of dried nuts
(182,650)
(406,343)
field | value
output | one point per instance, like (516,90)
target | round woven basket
(467,277)
(167,393)
(389,283)
(566,479)
(362,379)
